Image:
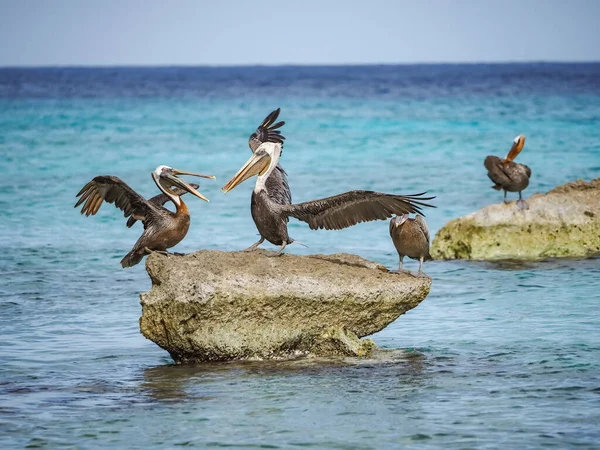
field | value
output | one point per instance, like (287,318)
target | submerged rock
(216,306)
(563,222)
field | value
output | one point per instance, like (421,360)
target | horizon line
(279,65)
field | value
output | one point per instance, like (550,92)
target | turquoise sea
(498,356)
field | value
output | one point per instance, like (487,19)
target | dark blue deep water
(498,356)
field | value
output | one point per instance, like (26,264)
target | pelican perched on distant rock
(509,175)
(332,213)
(411,238)
(163,229)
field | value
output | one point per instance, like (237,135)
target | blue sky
(221,32)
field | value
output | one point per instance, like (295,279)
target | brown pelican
(163,229)
(411,238)
(276,183)
(332,213)
(509,175)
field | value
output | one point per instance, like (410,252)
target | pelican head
(399,220)
(166,178)
(516,148)
(261,163)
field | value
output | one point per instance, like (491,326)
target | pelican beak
(399,220)
(174,181)
(516,148)
(256,165)
(183,172)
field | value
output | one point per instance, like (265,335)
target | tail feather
(132,258)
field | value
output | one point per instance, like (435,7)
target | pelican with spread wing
(332,213)
(163,229)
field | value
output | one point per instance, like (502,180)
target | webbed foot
(279,253)
(522,205)
(161,252)
(421,275)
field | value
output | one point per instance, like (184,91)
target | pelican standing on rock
(163,229)
(276,183)
(509,175)
(332,213)
(411,238)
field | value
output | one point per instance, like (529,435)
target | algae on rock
(215,306)
(563,222)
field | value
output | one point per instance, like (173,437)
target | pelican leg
(400,269)
(505,202)
(255,245)
(522,204)
(279,252)
(420,272)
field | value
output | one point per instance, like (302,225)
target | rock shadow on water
(178,383)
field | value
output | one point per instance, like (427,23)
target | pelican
(509,175)
(163,229)
(411,238)
(332,213)
(276,183)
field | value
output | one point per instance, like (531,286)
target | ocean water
(498,355)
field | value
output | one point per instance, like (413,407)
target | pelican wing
(113,190)
(423,225)
(501,174)
(496,170)
(267,131)
(350,208)
(159,201)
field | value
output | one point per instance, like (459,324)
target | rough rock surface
(212,305)
(563,222)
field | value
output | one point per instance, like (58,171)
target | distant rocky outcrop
(565,222)
(215,306)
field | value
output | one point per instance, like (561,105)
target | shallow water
(497,356)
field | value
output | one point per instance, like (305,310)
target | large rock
(563,222)
(212,305)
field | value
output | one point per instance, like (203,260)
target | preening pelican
(411,238)
(163,229)
(508,175)
(332,213)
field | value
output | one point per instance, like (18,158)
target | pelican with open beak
(163,229)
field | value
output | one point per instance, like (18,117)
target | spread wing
(423,225)
(159,201)
(267,131)
(350,208)
(113,190)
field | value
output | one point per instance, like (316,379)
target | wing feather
(350,208)
(113,190)
(423,225)
(267,131)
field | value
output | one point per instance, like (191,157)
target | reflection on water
(179,383)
